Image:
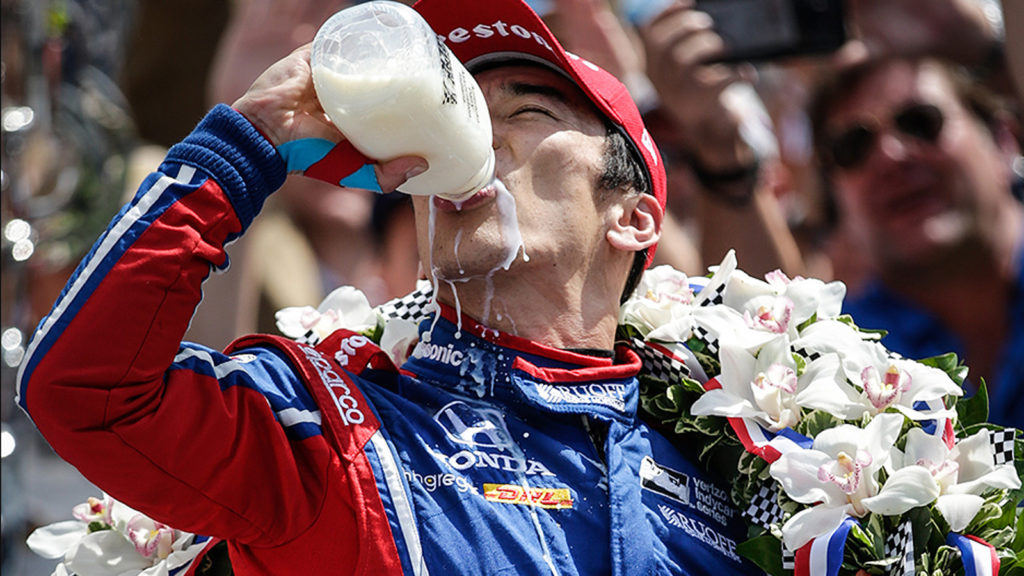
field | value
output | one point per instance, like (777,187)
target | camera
(757,30)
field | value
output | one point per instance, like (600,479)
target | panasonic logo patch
(444,354)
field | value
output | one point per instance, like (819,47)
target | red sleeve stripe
(117,238)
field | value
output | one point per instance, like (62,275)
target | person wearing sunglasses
(920,167)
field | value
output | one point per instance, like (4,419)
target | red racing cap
(483,31)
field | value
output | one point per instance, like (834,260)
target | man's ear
(635,224)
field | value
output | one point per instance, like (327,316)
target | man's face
(549,143)
(915,192)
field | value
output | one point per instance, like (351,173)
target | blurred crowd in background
(892,163)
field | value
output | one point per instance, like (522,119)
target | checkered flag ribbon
(705,336)
(714,291)
(764,509)
(715,294)
(900,544)
(659,364)
(807,353)
(414,307)
(1002,445)
(788,558)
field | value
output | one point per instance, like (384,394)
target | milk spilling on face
(394,89)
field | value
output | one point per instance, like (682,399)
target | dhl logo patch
(540,497)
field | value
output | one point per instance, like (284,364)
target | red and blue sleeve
(174,429)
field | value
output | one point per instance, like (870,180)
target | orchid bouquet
(846,458)
(107,538)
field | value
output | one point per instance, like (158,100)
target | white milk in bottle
(394,89)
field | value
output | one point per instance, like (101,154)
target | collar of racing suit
(456,352)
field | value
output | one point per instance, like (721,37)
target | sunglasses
(851,148)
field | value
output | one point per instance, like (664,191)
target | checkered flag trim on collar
(658,364)
(764,509)
(900,544)
(414,307)
(1002,445)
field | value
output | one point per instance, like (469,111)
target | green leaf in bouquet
(720,455)
(921,526)
(709,426)
(707,361)
(861,547)
(816,421)
(801,364)
(98,526)
(999,539)
(998,512)
(691,386)
(1016,496)
(948,363)
(1011,566)
(849,321)
(808,322)
(374,334)
(973,410)
(666,405)
(751,464)
(1018,539)
(765,551)
(627,333)
(946,560)
(751,474)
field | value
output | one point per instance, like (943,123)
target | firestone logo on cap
(497,29)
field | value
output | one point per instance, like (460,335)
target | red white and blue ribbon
(824,555)
(758,440)
(979,557)
(938,427)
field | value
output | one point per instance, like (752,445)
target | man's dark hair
(623,170)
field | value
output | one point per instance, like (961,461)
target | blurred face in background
(916,175)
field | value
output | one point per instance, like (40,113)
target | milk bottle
(394,89)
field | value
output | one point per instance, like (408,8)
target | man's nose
(891,145)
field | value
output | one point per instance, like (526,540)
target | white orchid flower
(959,475)
(839,476)
(884,380)
(127,544)
(345,307)
(663,296)
(767,389)
(398,338)
(780,304)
